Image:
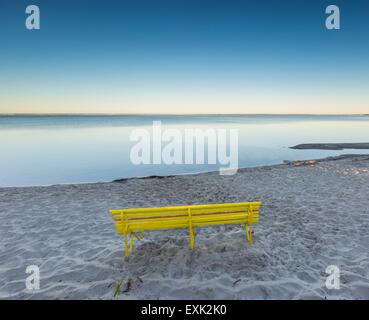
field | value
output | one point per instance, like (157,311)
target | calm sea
(45,150)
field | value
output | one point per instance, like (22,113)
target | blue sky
(184,57)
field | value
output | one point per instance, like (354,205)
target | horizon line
(184,114)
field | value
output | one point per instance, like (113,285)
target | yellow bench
(131,221)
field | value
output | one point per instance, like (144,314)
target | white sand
(312,217)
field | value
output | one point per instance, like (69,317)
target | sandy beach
(313,216)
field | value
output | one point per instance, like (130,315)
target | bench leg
(192,238)
(192,233)
(126,245)
(131,238)
(249,232)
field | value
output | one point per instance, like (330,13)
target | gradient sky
(184,57)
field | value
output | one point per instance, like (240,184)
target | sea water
(47,150)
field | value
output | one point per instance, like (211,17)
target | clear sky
(184,57)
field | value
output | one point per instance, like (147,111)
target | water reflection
(75,149)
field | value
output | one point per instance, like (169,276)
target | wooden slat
(140,219)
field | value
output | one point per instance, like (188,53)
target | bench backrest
(140,219)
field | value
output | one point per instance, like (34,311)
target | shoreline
(284,163)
